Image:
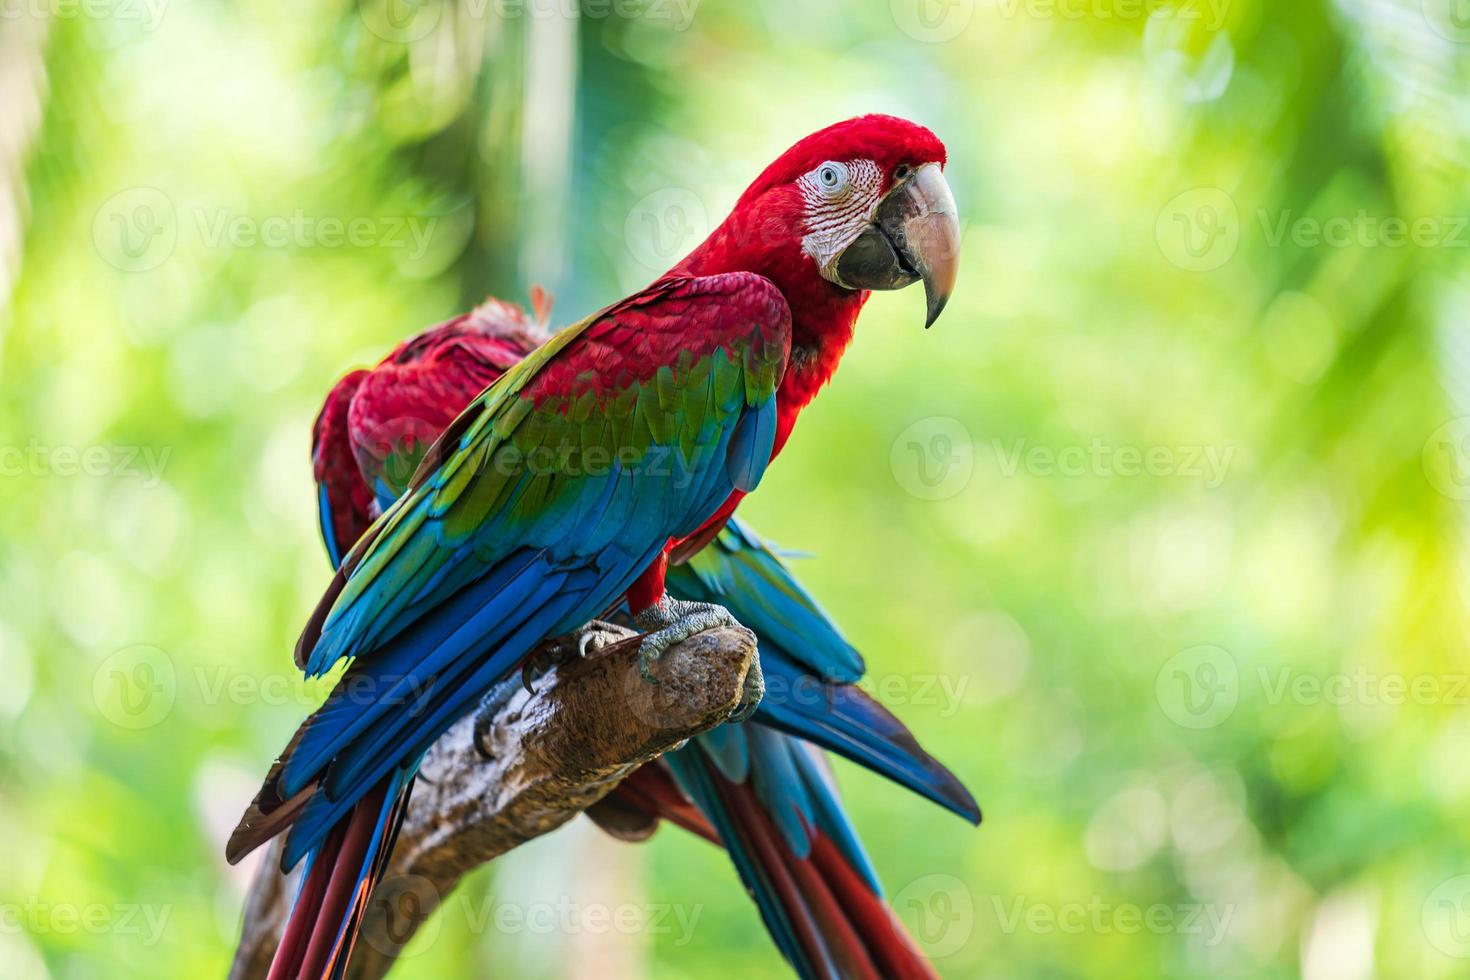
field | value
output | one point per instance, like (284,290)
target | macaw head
(860,205)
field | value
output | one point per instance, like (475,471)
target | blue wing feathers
(329,533)
(750,450)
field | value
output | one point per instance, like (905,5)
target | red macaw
(660,411)
(758,789)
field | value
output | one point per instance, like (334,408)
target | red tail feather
(834,913)
(324,919)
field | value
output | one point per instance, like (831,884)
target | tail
(769,799)
(341,874)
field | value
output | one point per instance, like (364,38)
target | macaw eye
(832,178)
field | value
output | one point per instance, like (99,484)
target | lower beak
(914,234)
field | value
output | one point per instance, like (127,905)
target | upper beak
(914,234)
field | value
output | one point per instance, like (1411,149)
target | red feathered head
(860,205)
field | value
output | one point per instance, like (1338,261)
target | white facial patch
(840,199)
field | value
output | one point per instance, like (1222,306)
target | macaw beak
(914,234)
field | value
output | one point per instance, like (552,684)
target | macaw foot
(672,621)
(488,711)
(580,644)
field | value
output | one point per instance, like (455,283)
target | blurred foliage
(1172,685)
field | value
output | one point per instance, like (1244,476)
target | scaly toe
(592,640)
(649,652)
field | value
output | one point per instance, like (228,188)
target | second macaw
(663,410)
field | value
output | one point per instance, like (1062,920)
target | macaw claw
(672,621)
(580,644)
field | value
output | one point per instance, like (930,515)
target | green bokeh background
(1158,538)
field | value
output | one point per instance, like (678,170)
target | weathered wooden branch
(543,758)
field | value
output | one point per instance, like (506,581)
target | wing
(534,512)
(644,417)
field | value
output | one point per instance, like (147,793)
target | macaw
(661,412)
(757,789)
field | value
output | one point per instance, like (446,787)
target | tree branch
(542,758)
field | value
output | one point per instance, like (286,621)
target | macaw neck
(822,315)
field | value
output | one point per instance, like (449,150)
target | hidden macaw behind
(484,556)
(756,788)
